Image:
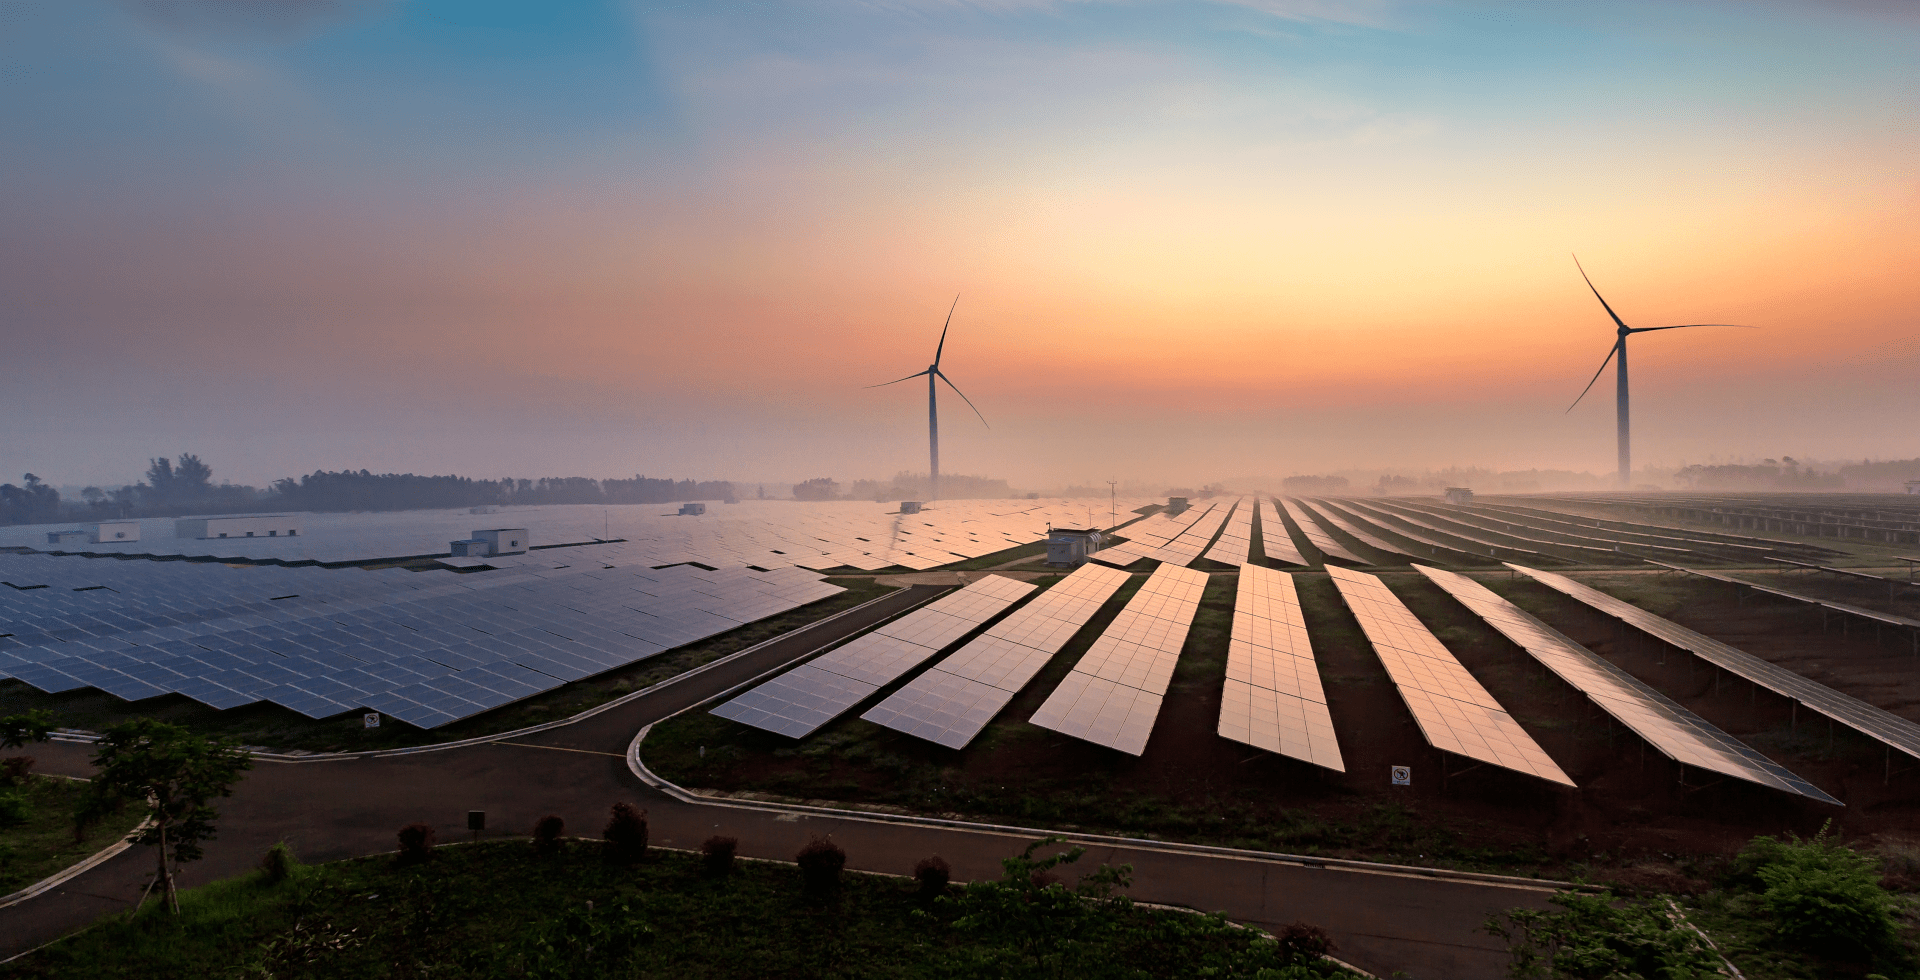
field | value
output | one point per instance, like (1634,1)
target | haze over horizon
(1191,240)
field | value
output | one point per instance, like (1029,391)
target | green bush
(1598,937)
(15,808)
(1822,895)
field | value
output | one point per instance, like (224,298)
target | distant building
(692,510)
(495,541)
(108,532)
(74,536)
(1071,545)
(1176,504)
(484,509)
(1913,486)
(1459,495)
(248,526)
(909,506)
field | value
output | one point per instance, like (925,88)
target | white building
(909,506)
(1459,495)
(692,510)
(1071,545)
(1913,486)
(110,532)
(505,540)
(67,537)
(248,526)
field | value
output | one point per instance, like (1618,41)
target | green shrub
(1823,896)
(15,808)
(1598,936)
(278,864)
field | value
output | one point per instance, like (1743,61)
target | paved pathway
(327,810)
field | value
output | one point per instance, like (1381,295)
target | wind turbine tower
(1619,353)
(934,373)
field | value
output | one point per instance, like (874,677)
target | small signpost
(1403,775)
(372,719)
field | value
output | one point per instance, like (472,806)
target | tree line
(186,485)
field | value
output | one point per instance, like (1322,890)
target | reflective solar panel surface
(1112,696)
(1272,698)
(1669,727)
(424,647)
(1146,538)
(1336,518)
(1453,711)
(1876,723)
(1391,519)
(955,699)
(1275,541)
(1237,537)
(798,702)
(1316,534)
(1186,549)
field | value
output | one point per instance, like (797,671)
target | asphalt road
(326,810)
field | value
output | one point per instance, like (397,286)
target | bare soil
(1632,820)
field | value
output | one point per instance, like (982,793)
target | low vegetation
(1793,909)
(572,913)
(37,836)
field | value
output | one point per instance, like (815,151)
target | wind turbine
(1619,350)
(933,405)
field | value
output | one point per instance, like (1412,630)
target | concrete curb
(100,857)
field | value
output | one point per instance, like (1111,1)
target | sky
(1190,241)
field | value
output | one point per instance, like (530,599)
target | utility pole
(1113,507)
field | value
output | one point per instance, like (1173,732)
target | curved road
(1382,920)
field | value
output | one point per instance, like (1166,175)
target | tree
(16,731)
(159,485)
(822,488)
(193,477)
(177,773)
(34,503)
(95,497)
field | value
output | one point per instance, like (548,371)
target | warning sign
(1403,775)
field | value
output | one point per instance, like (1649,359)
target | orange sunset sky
(1191,241)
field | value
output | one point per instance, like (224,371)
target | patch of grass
(998,558)
(42,843)
(573,914)
(272,726)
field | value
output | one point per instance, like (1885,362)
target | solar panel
(956,698)
(1275,542)
(1272,698)
(1317,535)
(798,702)
(1237,537)
(1674,731)
(1186,548)
(1387,519)
(1112,696)
(1339,519)
(1146,538)
(1453,711)
(1876,723)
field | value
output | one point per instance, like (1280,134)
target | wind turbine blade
(1596,375)
(1682,326)
(943,334)
(963,396)
(896,381)
(1596,295)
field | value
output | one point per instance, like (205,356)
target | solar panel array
(1272,698)
(955,699)
(1876,723)
(427,648)
(798,702)
(1112,696)
(1146,538)
(757,533)
(1453,711)
(1317,535)
(1389,516)
(1237,538)
(1669,727)
(1186,549)
(1873,615)
(1335,517)
(1275,542)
